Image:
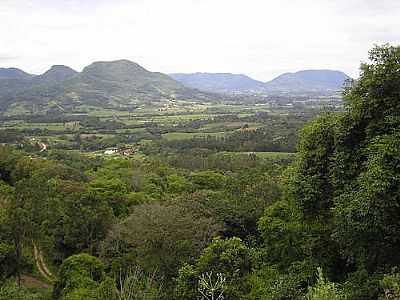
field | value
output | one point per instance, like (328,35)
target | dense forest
(202,224)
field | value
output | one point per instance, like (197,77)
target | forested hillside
(208,218)
(301,82)
(308,80)
(118,84)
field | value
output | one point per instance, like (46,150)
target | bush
(324,290)
(229,258)
(391,286)
(11,291)
(78,273)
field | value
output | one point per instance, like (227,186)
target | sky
(260,38)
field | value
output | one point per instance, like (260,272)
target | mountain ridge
(123,84)
(57,73)
(313,80)
(308,81)
(14,73)
(218,82)
(119,83)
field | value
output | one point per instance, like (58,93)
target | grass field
(264,154)
(188,135)
(48,126)
(170,120)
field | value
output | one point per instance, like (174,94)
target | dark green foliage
(8,261)
(11,291)
(367,207)
(361,285)
(135,285)
(374,98)
(367,214)
(324,289)
(79,275)
(269,283)
(85,223)
(311,186)
(159,237)
(346,179)
(270,139)
(391,286)
(208,180)
(229,257)
(284,235)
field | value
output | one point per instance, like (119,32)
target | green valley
(117,183)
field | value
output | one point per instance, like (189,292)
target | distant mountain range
(57,73)
(308,80)
(299,82)
(219,82)
(14,73)
(124,84)
(119,84)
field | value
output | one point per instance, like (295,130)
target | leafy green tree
(8,259)
(373,100)
(208,180)
(160,237)
(362,284)
(367,225)
(8,161)
(230,258)
(268,282)
(11,291)
(310,183)
(346,178)
(391,286)
(368,180)
(324,289)
(178,184)
(20,232)
(79,276)
(283,234)
(111,191)
(85,222)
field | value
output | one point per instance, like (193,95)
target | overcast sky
(261,38)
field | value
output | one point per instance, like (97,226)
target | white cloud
(261,38)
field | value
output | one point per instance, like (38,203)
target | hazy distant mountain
(14,73)
(308,81)
(219,82)
(124,84)
(106,84)
(299,82)
(56,74)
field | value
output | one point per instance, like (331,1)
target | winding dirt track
(41,265)
(43,147)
